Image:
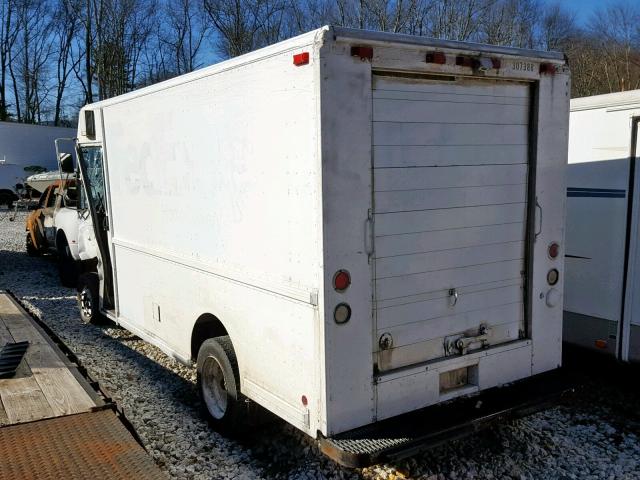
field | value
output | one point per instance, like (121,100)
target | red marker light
(341,280)
(554,250)
(304,400)
(438,58)
(365,53)
(301,59)
(601,343)
(548,68)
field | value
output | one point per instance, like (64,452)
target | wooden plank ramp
(53,423)
(44,385)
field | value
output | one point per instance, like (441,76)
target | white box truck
(602,305)
(343,227)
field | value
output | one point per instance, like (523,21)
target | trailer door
(450,162)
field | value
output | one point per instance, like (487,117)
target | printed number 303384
(524,66)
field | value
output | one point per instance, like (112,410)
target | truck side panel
(215,210)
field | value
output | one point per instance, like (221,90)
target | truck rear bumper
(409,434)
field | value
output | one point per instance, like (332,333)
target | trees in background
(8,35)
(29,61)
(56,55)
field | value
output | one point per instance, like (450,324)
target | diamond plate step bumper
(409,434)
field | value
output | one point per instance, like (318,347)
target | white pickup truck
(53,227)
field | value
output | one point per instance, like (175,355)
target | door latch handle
(463,344)
(539,229)
(368,235)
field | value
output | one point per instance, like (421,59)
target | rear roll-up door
(450,165)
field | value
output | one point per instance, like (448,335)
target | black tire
(67,266)
(88,299)
(232,419)
(32,251)
(6,200)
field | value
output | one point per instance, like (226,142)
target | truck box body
(235,194)
(602,306)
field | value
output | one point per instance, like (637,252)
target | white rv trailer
(23,145)
(368,222)
(602,299)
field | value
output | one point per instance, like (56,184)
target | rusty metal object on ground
(93,445)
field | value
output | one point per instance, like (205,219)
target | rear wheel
(6,199)
(219,385)
(88,299)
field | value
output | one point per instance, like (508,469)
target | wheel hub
(86,303)
(214,389)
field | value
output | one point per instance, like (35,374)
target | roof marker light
(548,68)
(462,61)
(436,57)
(365,53)
(301,59)
(479,63)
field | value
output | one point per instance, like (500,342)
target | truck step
(412,433)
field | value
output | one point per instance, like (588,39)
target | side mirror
(71,197)
(66,163)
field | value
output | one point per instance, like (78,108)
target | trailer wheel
(219,385)
(32,250)
(88,299)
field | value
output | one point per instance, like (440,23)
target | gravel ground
(596,437)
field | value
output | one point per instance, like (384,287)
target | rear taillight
(554,250)
(341,280)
